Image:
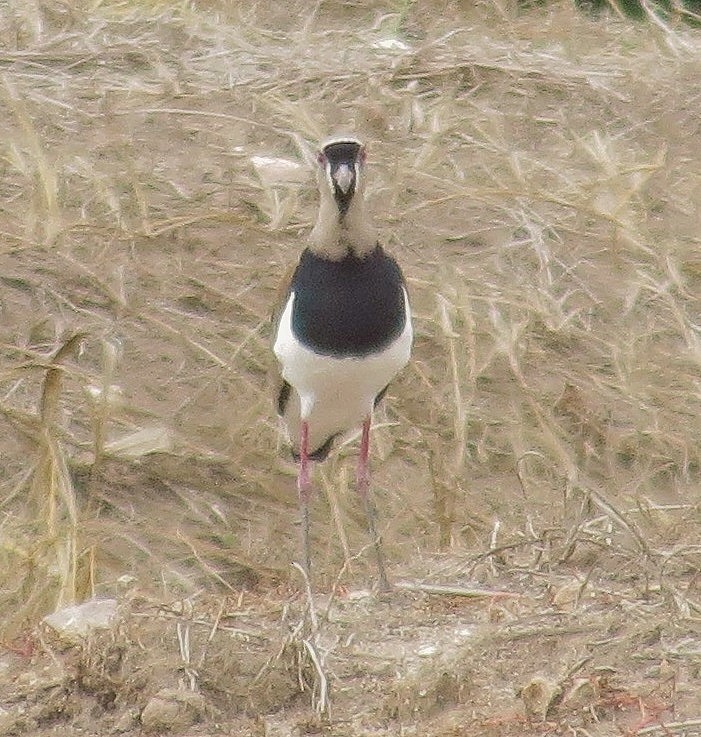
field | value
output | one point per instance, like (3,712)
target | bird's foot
(304,482)
(362,481)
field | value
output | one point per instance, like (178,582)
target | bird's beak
(342,162)
(344,178)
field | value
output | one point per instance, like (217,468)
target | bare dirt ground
(537,466)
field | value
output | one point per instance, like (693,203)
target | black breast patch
(352,307)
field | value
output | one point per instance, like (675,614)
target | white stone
(77,621)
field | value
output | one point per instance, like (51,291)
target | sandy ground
(536,467)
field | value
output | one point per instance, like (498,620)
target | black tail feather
(283,397)
(321,453)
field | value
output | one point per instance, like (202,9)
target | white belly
(334,394)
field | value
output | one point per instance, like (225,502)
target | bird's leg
(363,486)
(304,487)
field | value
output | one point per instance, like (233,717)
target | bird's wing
(281,295)
(279,388)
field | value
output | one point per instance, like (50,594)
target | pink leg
(304,487)
(363,472)
(363,486)
(304,479)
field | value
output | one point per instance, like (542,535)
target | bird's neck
(335,236)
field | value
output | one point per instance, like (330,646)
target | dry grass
(537,173)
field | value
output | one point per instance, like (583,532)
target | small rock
(126,722)
(172,710)
(567,596)
(427,650)
(538,695)
(391,44)
(583,694)
(74,623)
(358,595)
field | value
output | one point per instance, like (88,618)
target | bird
(342,331)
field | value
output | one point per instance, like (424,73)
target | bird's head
(341,165)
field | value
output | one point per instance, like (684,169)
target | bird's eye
(321,158)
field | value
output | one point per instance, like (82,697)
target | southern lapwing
(342,329)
